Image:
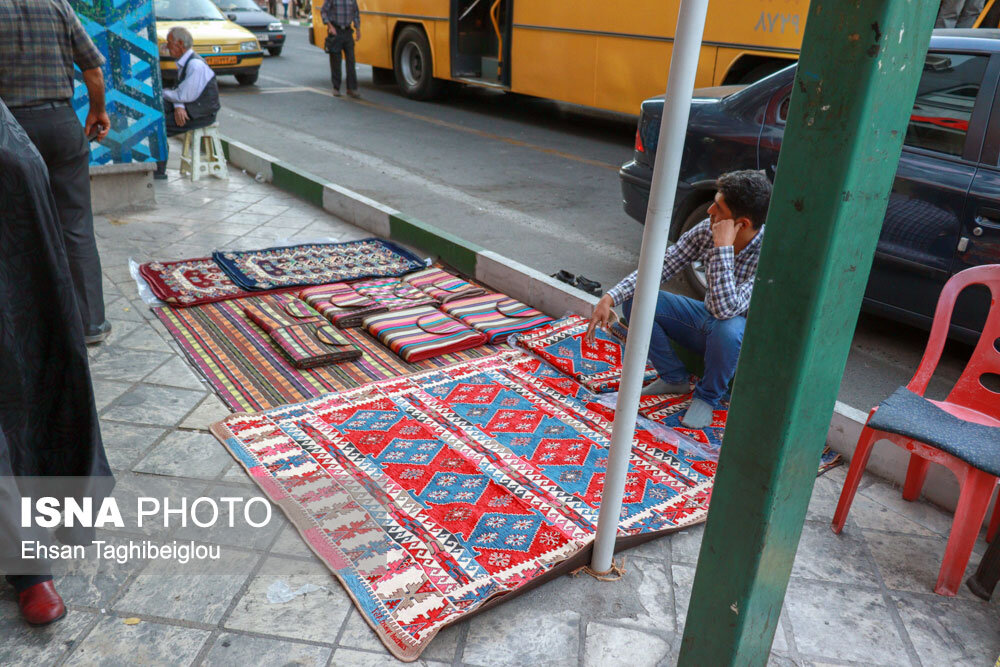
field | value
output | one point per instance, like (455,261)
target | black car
(247,14)
(944,210)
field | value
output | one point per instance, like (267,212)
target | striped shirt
(730,279)
(40,40)
(341,12)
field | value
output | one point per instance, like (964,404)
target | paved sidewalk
(860,598)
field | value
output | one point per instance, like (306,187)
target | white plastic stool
(202,154)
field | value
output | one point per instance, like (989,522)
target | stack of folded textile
(442,286)
(496,315)
(302,334)
(346,305)
(420,333)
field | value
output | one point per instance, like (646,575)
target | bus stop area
(862,597)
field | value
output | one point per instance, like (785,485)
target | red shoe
(40,604)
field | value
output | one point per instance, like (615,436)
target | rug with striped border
(248,372)
(435,495)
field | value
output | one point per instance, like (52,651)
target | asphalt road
(531,179)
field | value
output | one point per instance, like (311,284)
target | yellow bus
(608,55)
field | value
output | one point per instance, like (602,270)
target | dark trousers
(342,41)
(59,137)
(173,129)
(689,323)
(22,582)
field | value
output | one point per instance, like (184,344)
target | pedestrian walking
(343,23)
(40,40)
(284,3)
(959,13)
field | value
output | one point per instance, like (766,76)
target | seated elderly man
(194,102)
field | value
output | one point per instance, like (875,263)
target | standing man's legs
(970,12)
(948,14)
(342,41)
(58,136)
(352,75)
(335,49)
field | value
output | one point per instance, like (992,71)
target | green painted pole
(854,89)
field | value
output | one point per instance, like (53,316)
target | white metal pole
(673,128)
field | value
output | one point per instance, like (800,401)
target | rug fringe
(613,573)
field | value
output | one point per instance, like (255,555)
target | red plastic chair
(969,401)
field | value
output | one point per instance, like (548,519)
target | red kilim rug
(432,494)
(190,282)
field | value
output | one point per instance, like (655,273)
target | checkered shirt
(39,42)
(730,279)
(341,12)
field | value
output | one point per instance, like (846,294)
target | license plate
(221,60)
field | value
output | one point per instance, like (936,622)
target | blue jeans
(689,323)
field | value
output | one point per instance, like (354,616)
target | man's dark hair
(747,194)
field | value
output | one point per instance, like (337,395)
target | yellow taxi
(225,46)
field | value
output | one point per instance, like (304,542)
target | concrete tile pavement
(863,597)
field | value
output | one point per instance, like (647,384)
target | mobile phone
(94,133)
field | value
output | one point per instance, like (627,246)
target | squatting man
(728,245)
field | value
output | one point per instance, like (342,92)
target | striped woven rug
(249,373)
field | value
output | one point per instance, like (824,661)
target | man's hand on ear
(724,232)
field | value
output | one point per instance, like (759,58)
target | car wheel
(247,79)
(414,66)
(694,273)
(275,52)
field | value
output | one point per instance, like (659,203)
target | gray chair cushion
(914,416)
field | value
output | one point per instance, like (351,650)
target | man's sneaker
(95,336)
(587,285)
(336,92)
(353,93)
(562,275)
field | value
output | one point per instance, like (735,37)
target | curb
(532,287)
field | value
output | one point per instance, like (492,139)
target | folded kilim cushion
(189,282)
(347,305)
(316,263)
(419,333)
(299,331)
(496,315)
(441,285)
(597,365)
(341,304)
(432,494)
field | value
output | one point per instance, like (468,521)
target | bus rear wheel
(414,66)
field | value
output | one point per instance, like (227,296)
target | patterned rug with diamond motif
(434,495)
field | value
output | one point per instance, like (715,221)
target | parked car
(267,29)
(944,209)
(225,46)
